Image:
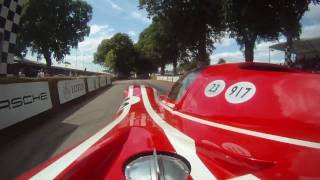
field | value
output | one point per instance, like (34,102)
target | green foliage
(117,53)
(264,20)
(186,66)
(103,49)
(156,43)
(195,24)
(110,59)
(249,21)
(288,15)
(52,27)
(142,65)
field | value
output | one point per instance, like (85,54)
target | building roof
(302,47)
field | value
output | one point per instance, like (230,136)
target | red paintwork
(286,103)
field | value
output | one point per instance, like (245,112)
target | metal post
(76,58)
(269,55)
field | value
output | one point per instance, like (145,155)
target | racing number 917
(240,92)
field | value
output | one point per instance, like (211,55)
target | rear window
(181,86)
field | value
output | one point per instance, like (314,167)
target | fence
(168,78)
(21,99)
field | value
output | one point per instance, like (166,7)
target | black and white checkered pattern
(10,11)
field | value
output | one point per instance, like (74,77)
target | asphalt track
(26,145)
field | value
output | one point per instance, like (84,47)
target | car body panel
(275,134)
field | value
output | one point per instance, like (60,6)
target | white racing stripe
(54,169)
(272,137)
(183,144)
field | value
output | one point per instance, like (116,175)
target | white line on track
(54,169)
(272,137)
(183,144)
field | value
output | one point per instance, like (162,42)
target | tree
(222,61)
(117,53)
(158,44)
(151,47)
(187,65)
(196,24)
(52,27)
(142,65)
(104,47)
(289,14)
(250,21)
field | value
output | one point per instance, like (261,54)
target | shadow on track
(32,141)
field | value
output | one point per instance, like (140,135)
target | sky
(112,16)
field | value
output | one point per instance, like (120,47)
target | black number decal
(239,91)
(214,88)
(233,90)
(247,90)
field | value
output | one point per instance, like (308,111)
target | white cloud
(235,56)
(115,6)
(95,28)
(140,17)
(261,54)
(97,34)
(310,31)
(83,57)
(313,13)
(132,33)
(133,36)
(225,41)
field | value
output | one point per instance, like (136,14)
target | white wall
(19,101)
(71,89)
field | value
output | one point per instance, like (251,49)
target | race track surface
(25,145)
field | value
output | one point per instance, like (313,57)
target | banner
(71,89)
(103,81)
(92,84)
(19,101)
(109,80)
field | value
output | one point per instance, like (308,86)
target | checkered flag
(10,11)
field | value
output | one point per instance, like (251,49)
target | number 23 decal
(214,88)
(237,93)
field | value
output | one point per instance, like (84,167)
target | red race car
(232,121)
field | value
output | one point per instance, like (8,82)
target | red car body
(242,121)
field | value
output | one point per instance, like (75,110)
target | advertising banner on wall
(92,84)
(103,81)
(71,89)
(109,80)
(19,101)
(97,82)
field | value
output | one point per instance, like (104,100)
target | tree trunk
(47,56)
(288,52)
(248,51)
(203,59)
(249,48)
(162,68)
(174,63)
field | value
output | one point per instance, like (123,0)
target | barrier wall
(103,81)
(92,84)
(168,78)
(71,89)
(21,100)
